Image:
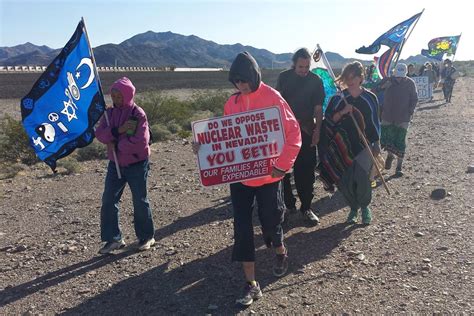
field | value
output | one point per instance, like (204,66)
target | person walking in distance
(304,92)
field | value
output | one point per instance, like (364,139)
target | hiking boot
(111,246)
(145,244)
(388,162)
(281,264)
(310,216)
(251,293)
(352,218)
(366,216)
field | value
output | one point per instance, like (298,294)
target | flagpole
(361,134)
(102,94)
(406,38)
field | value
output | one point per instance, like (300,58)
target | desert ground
(416,256)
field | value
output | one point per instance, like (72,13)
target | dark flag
(385,61)
(440,46)
(391,38)
(60,111)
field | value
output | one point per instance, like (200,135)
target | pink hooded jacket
(130,149)
(245,68)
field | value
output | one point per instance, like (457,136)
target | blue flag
(390,38)
(60,111)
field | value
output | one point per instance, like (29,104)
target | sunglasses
(237,81)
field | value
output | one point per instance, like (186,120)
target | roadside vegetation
(168,117)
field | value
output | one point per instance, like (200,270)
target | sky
(280,26)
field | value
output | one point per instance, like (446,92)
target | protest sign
(238,147)
(423,87)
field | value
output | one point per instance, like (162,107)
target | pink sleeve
(139,140)
(292,137)
(103,132)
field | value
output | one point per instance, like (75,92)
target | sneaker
(251,293)
(310,216)
(352,218)
(145,244)
(111,246)
(366,216)
(281,264)
(388,162)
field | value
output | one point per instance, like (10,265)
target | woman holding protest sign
(253,95)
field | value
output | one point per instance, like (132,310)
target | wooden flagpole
(102,93)
(405,39)
(361,134)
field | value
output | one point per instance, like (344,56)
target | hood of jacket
(126,87)
(245,67)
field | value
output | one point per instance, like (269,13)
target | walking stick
(361,134)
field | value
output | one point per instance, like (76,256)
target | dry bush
(70,164)
(93,151)
(15,143)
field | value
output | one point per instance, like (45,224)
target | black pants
(448,90)
(303,171)
(270,213)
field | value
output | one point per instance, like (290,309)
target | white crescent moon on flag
(88,62)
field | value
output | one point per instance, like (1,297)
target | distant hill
(152,49)
(27,48)
(160,50)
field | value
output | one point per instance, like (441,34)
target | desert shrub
(163,109)
(15,143)
(184,133)
(93,151)
(174,116)
(174,127)
(10,170)
(160,132)
(212,101)
(199,115)
(70,164)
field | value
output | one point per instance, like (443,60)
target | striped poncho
(340,143)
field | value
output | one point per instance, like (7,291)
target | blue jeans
(136,176)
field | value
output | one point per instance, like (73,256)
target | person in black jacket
(304,92)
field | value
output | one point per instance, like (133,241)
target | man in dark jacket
(399,104)
(304,92)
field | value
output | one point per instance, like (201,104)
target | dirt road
(416,256)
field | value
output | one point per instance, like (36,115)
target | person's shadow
(51,279)
(209,284)
(430,107)
(219,212)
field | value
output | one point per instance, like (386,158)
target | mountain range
(163,49)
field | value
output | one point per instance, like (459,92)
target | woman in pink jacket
(127,133)
(254,94)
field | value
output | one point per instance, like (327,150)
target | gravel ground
(416,256)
